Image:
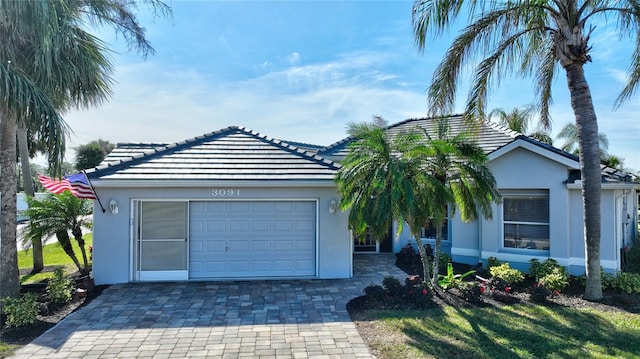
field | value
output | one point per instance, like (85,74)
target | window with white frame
(526,219)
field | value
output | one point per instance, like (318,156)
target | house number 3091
(225,192)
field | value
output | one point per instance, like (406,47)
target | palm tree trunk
(436,253)
(587,126)
(23,152)
(9,275)
(423,257)
(77,234)
(65,243)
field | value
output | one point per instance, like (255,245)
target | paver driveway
(256,319)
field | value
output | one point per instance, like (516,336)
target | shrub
(538,270)
(627,283)
(471,292)
(419,296)
(492,262)
(60,288)
(392,285)
(20,311)
(506,273)
(375,292)
(538,293)
(555,281)
(632,256)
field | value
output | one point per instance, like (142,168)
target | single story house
(235,204)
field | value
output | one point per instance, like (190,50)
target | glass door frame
(137,241)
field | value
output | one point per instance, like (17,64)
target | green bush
(492,262)
(633,259)
(555,281)
(375,292)
(392,285)
(538,270)
(627,283)
(506,273)
(538,293)
(60,288)
(20,311)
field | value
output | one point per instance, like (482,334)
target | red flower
(556,293)
(425,292)
(481,289)
(507,289)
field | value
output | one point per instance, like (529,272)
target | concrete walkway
(253,319)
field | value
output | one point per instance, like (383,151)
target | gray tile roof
(490,136)
(233,153)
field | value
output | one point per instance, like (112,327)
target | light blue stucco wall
(112,239)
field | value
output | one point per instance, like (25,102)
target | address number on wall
(225,192)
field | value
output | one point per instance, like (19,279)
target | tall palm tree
(380,183)
(569,133)
(518,119)
(48,64)
(59,215)
(459,179)
(534,38)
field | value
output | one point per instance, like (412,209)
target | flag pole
(94,191)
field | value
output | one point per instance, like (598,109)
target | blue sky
(301,70)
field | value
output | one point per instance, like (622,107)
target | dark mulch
(50,315)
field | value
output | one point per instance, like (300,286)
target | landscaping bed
(496,319)
(49,314)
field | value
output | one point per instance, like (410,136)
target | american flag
(78,184)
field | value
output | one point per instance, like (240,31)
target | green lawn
(53,255)
(520,331)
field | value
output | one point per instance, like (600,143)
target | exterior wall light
(113,206)
(333,204)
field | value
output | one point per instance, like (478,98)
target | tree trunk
(65,243)
(23,152)
(587,126)
(9,275)
(77,234)
(436,254)
(423,257)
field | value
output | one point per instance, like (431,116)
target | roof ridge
(502,128)
(291,148)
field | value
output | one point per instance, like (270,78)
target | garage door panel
(252,239)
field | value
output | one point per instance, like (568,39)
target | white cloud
(293,58)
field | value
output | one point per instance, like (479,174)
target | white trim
(168,275)
(522,258)
(618,185)
(465,252)
(517,257)
(520,143)
(145,183)
(608,264)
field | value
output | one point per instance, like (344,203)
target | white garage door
(242,239)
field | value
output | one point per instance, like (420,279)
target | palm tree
(382,180)
(534,38)
(458,180)
(49,64)
(570,135)
(59,215)
(518,120)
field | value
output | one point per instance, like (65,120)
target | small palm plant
(59,215)
(452,280)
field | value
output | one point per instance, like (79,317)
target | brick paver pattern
(247,319)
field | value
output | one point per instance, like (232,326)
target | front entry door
(161,240)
